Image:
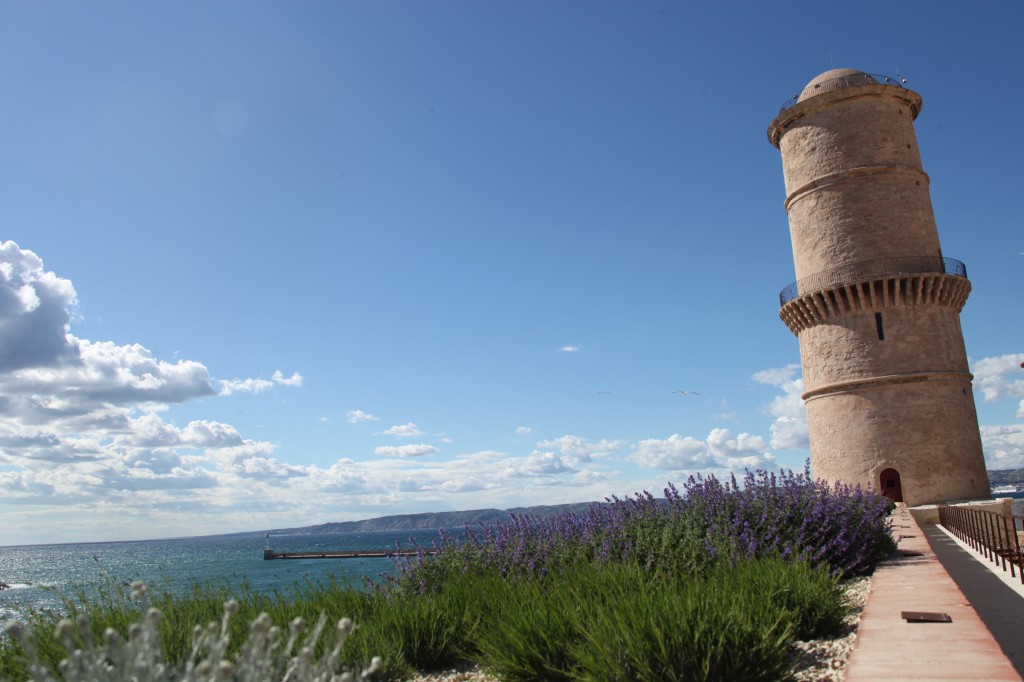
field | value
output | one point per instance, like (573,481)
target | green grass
(619,623)
(596,622)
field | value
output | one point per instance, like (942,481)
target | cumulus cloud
(539,464)
(229,386)
(789,430)
(84,422)
(1000,377)
(1003,446)
(295,380)
(408,430)
(35,312)
(358,416)
(523,430)
(405,450)
(720,450)
(576,450)
(105,373)
(465,485)
(268,468)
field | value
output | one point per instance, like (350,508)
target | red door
(889,484)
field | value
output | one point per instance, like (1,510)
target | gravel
(815,660)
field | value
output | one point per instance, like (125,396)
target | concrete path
(890,648)
(996,597)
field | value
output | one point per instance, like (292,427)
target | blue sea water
(40,574)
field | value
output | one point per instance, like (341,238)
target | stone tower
(876,306)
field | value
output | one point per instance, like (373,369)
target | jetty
(269,554)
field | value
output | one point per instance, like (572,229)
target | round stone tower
(876,306)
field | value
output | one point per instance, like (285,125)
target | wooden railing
(994,536)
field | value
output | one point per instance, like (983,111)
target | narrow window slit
(878,327)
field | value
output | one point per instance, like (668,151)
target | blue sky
(270,264)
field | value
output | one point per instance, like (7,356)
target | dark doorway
(890,485)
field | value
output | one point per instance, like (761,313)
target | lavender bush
(790,515)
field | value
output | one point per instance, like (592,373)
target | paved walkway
(890,648)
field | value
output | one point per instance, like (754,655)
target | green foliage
(618,622)
(595,622)
(266,653)
(531,629)
(429,629)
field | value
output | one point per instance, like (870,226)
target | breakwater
(269,554)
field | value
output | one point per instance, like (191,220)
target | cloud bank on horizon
(86,441)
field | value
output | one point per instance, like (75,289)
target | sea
(39,575)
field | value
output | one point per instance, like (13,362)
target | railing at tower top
(866,269)
(841,82)
(994,536)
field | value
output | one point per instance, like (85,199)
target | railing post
(987,518)
(992,538)
(982,533)
(971,531)
(1006,545)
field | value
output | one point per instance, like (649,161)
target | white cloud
(720,450)
(105,373)
(35,312)
(523,430)
(1000,377)
(229,386)
(570,349)
(789,430)
(538,464)
(268,468)
(358,416)
(790,433)
(1003,446)
(466,485)
(576,450)
(675,452)
(408,430)
(83,423)
(294,380)
(405,450)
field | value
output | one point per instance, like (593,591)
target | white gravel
(815,660)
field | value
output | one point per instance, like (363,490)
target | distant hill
(428,520)
(1005,477)
(488,517)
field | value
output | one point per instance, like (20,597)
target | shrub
(266,654)
(710,523)
(617,622)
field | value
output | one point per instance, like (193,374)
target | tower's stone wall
(885,369)
(918,340)
(855,187)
